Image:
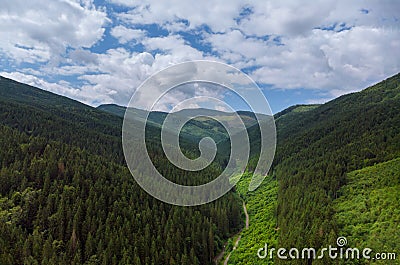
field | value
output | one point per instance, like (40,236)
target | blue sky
(297,52)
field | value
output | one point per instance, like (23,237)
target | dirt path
(239,237)
(234,247)
(247,215)
(219,257)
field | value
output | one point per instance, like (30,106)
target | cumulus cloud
(84,57)
(286,18)
(125,35)
(190,96)
(40,31)
(330,46)
(218,15)
(173,49)
(333,61)
(327,45)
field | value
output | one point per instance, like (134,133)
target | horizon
(198,108)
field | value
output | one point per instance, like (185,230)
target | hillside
(248,117)
(320,196)
(282,119)
(113,109)
(66,196)
(368,208)
(316,151)
(40,113)
(295,109)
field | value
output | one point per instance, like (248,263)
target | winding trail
(237,240)
(247,216)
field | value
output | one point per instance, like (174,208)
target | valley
(67,195)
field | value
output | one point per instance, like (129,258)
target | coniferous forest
(67,197)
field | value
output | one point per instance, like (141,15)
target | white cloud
(361,48)
(218,15)
(191,96)
(236,48)
(287,18)
(39,30)
(125,35)
(333,61)
(328,45)
(173,50)
(84,57)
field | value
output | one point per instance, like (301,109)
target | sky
(297,52)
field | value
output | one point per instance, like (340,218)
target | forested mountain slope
(320,196)
(66,196)
(316,151)
(368,208)
(40,113)
(282,119)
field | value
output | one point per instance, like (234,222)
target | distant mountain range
(204,124)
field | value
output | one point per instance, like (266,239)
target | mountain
(247,116)
(67,197)
(88,127)
(40,113)
(282,120)
(336,166)
(113,109)
(202,123)
(295,109)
